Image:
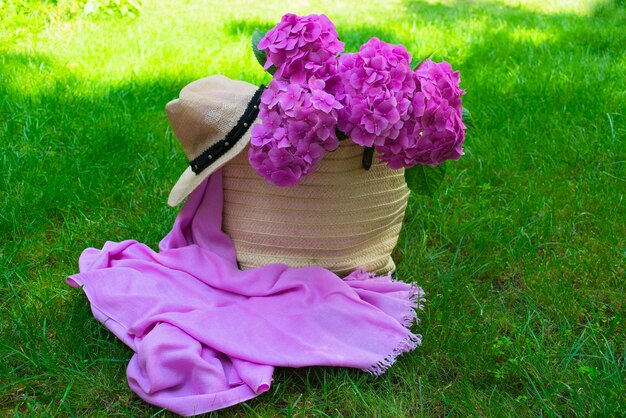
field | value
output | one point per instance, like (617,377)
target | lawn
(522,253)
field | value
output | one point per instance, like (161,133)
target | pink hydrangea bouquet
(408,111)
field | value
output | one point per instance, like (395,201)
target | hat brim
(189,180)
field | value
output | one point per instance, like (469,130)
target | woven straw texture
(340,217)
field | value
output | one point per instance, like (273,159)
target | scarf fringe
(417,299)
(411,341)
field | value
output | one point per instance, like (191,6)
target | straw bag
(340,217)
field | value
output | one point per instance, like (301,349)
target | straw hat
(211,119)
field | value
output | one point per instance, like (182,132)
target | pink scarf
(207,335)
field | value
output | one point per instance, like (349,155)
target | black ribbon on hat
(221,147)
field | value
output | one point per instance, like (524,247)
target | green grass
(522,253)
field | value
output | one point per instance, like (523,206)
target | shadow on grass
(83,164)
(535,80)
(73,144)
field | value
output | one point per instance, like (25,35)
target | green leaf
(260,55)
(256,38)
(424,179)
(467,118)
(415,63)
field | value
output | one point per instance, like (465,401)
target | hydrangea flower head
(435,131)
(301,47)
(297,127)
(377,86)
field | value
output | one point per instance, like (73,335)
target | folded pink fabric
(207,335)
